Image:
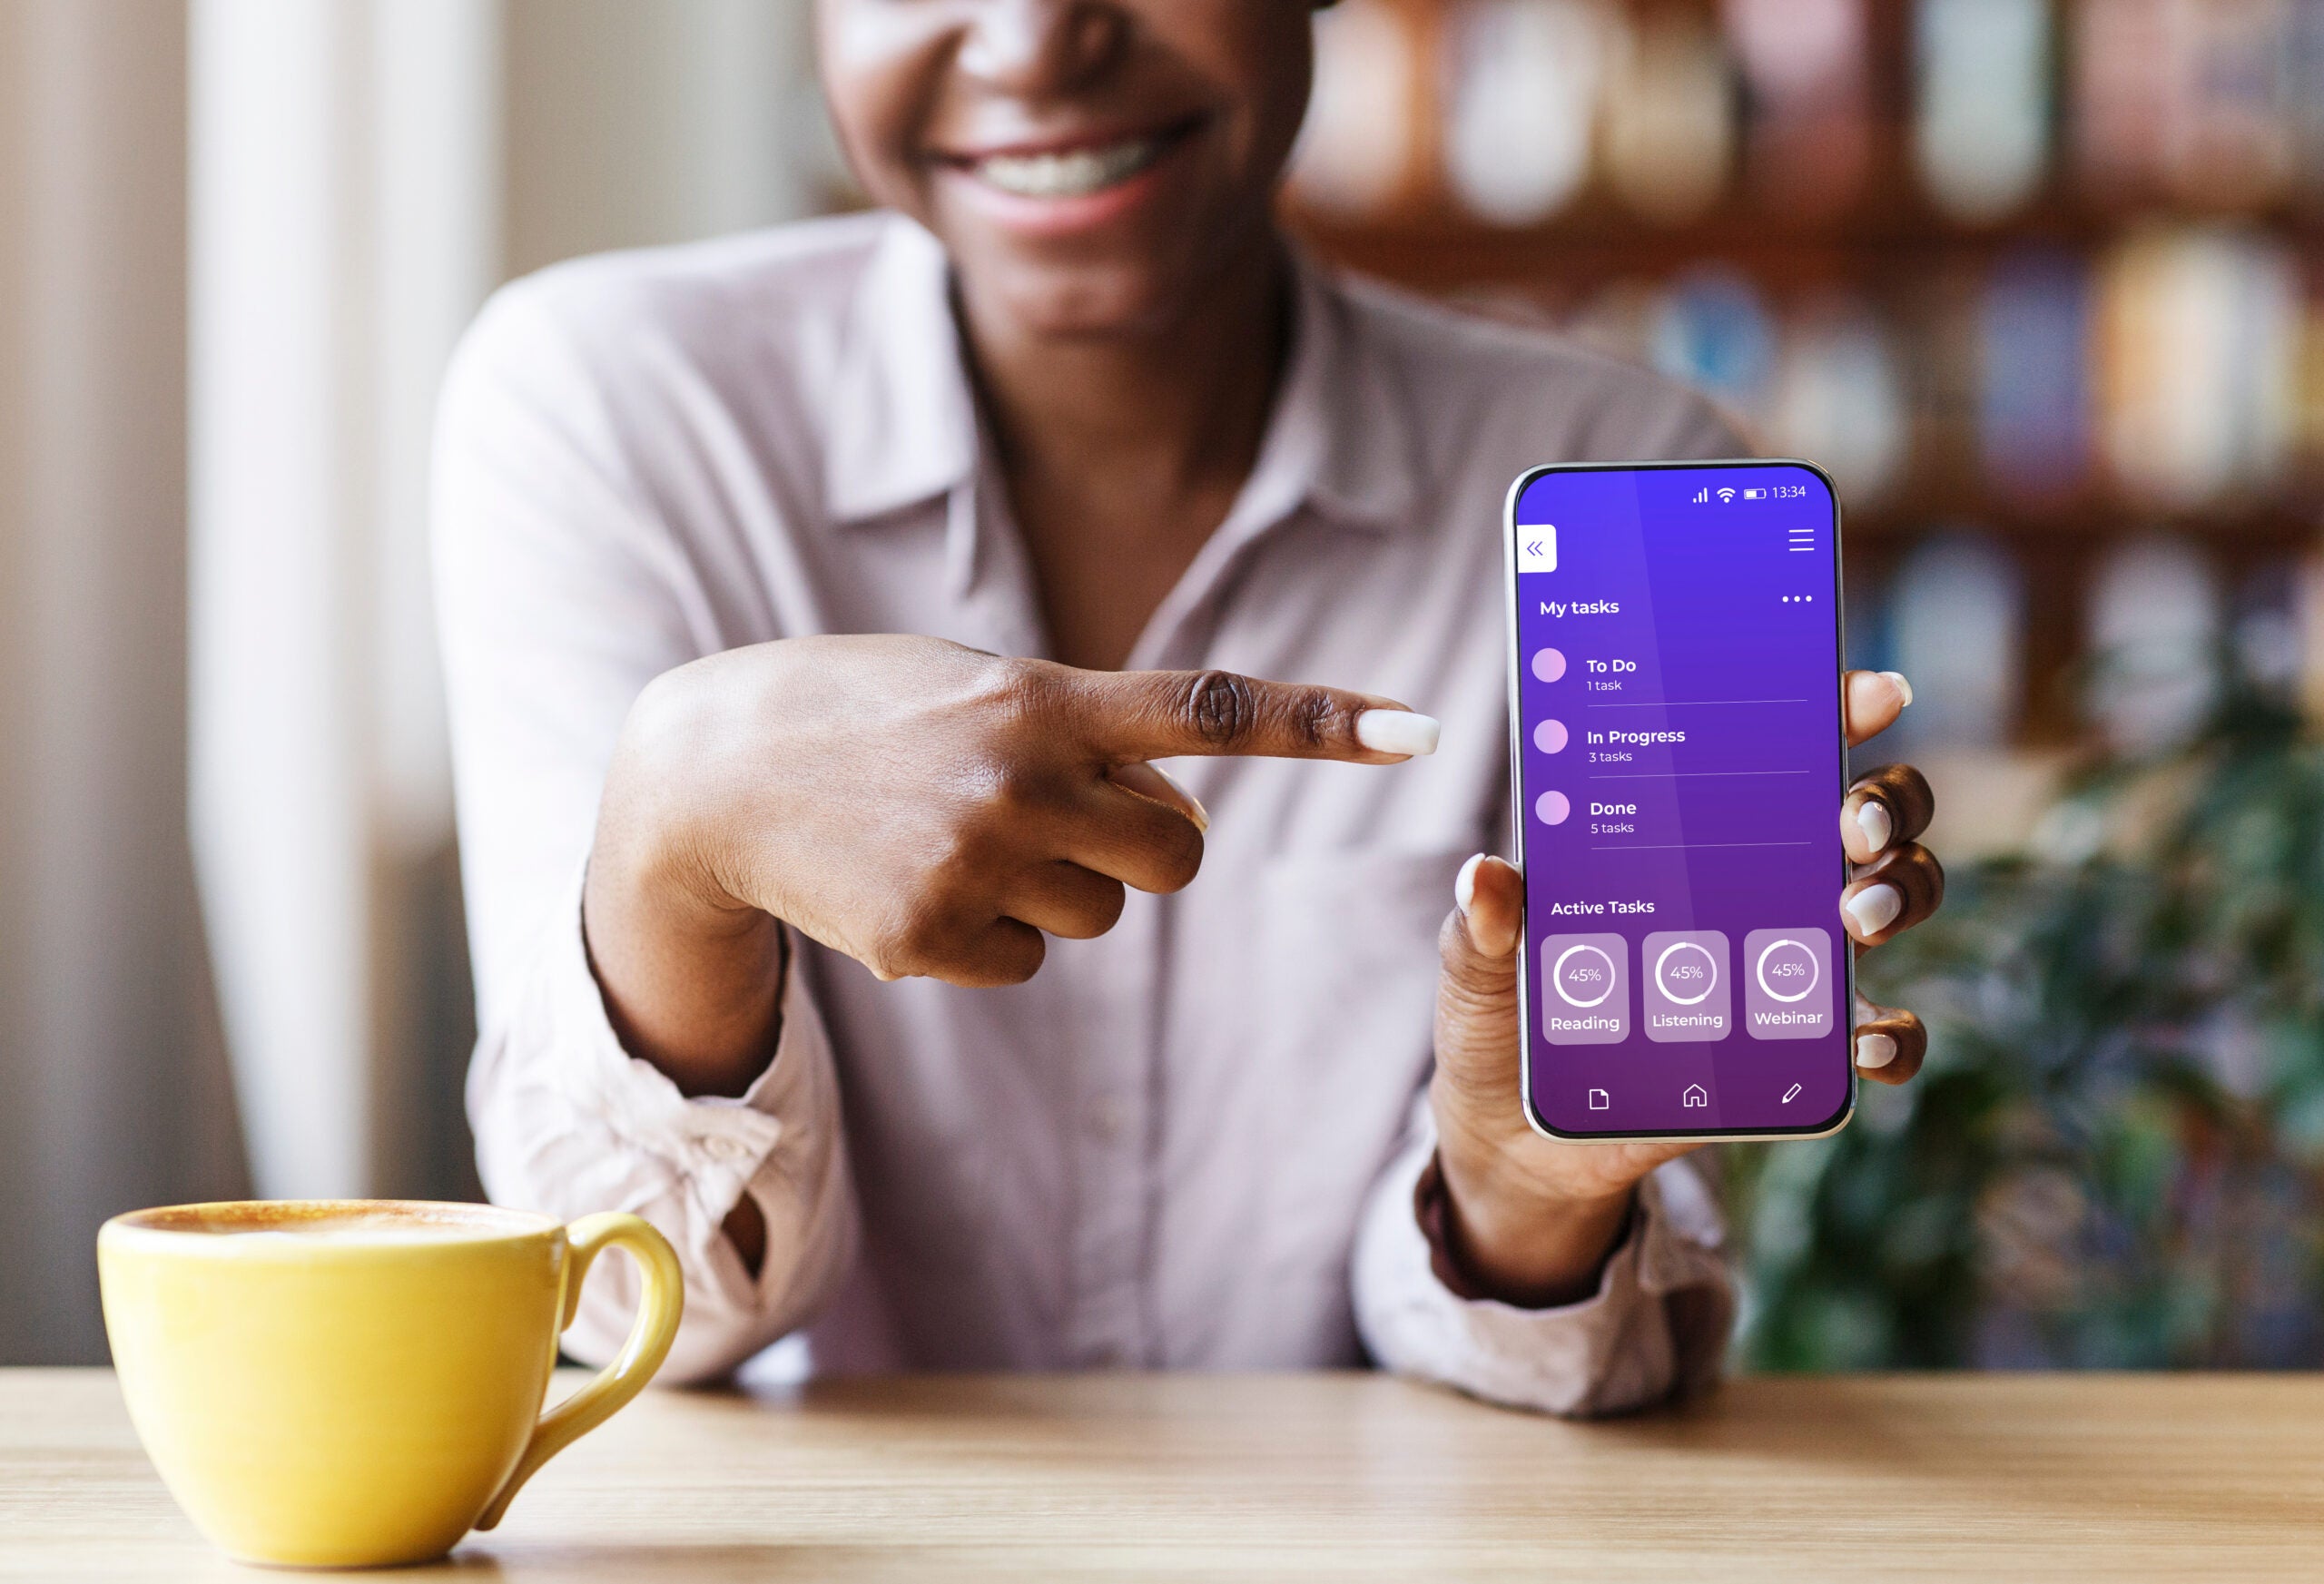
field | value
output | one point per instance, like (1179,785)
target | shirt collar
(903,423)
(903,420)
(1340,425)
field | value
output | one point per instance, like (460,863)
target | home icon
(1694,1095)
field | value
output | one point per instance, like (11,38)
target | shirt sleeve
(1657,1327)
(568,1122)
(561,592)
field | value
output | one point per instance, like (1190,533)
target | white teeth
(1073,174)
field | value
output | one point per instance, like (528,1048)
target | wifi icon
(1726,497)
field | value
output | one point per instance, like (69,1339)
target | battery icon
(1755,495)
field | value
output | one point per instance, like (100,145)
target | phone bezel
(1533,1118)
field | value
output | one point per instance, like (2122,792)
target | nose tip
(1031,45)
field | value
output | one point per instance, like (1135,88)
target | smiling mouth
(1074,173)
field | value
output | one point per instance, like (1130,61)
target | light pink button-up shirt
(1190,1144)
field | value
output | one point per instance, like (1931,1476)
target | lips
(1079,171)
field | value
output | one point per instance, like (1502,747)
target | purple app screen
(1680,773)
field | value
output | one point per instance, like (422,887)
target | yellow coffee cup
(349,1384)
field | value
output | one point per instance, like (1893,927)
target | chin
(1089,299)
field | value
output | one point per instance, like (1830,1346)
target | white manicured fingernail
(1872,819)
(1397,731)
(1195,811)
(1874,909)
(1464,886)
(1875,1050)
(1904,689)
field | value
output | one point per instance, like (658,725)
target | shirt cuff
(721,1141)
(1432,1209)
(1656,1326)
(571,1117)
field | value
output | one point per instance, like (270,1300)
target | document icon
(1600,1101)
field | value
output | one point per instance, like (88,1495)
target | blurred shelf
(2283,525)
(1431,246)
(2139,234)
(1422,234)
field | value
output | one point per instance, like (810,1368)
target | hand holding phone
(1679,753)
(1535,1215)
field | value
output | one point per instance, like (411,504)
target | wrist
(691,974)
(1526,1242)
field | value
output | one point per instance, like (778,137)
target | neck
(1180,407)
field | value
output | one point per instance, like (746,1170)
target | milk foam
(369,1233)
(293,1226)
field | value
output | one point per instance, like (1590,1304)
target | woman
(876,969)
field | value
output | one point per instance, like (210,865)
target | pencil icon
(1791,1094)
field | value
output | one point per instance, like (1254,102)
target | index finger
(1162,714)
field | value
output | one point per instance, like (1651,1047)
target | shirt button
(1109,1118)
(720,1147)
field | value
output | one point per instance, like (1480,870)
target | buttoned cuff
(567,1123)
(720,1140)
(1656,1326)
(1432,1210)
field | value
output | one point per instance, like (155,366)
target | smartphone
(1678,763)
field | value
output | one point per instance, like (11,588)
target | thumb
(1476,1004)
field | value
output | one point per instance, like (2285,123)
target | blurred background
(2041,280)
(238,239)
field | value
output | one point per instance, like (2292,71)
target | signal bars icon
(1726,496)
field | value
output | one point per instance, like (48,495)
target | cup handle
(650,1334)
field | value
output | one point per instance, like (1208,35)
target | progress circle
(1686,1000)
(1557,977)
(1814,970)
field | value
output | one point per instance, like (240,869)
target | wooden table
(2090,1478)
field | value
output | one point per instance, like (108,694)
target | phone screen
(1679,772)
